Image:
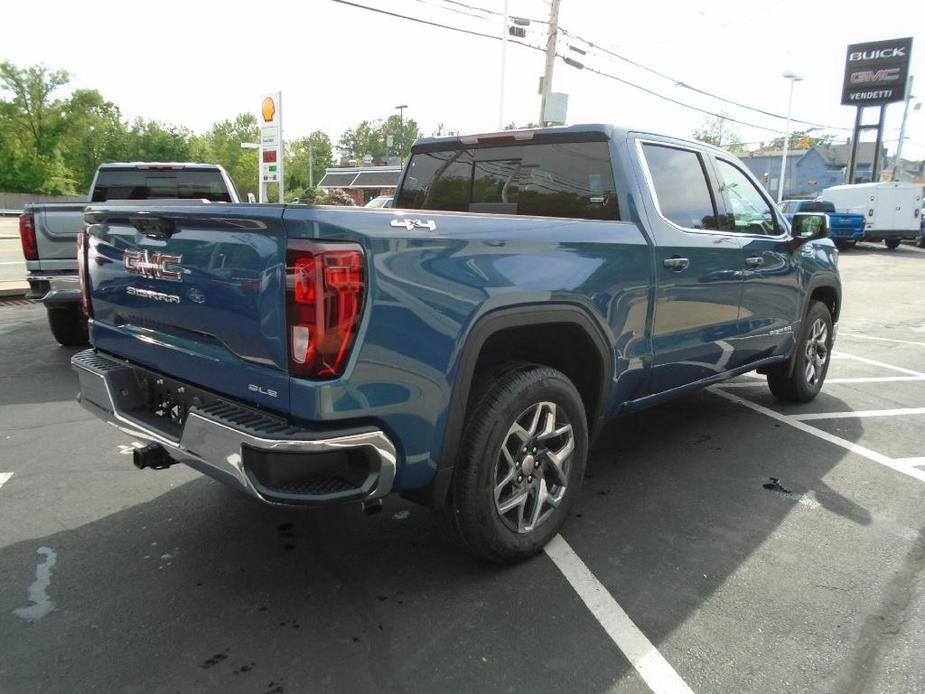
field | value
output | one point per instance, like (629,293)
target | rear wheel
(521,464)
(845,245)
(67,325)
(814,351)
(892,243)
(920,242)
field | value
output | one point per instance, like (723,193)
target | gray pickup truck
(49,230)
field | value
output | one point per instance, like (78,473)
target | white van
(892,209)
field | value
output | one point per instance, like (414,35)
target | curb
(13,288)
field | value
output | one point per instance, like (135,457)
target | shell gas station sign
(271,141)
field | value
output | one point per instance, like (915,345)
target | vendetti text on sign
(876,73)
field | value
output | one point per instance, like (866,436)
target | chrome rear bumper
(218,437)
(54,289)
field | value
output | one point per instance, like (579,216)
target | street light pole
(401,127)
(902,130)
(793,77)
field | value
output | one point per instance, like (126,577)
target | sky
(196,62)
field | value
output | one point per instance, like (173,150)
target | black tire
(798,386)
(846,245)
(67,325)
(920,242)
(473,514)
(892,243)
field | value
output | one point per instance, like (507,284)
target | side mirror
(251,198)
(808,226)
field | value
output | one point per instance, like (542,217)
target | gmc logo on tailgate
(152,265)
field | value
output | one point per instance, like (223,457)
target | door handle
(754,261)
(676,263)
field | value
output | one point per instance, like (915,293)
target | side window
(681,188)
(749,212)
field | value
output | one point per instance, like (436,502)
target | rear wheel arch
(508,326)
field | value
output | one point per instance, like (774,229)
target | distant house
(362,183)
(809,171)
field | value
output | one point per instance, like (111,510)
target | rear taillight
(325,283)
(83,250)
(27,236)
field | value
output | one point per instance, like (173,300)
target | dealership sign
(876,73)
(271,143)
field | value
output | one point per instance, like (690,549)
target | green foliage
(799,139)
(371,137)
(719,132)
(223,146)
(297,160)
(53,145)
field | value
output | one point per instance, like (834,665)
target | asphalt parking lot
(683,566)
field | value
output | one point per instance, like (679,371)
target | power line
(681,83)
(568,61)
(677,82)
(425,21)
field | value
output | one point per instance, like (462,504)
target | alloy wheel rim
(531,472)
(817,352)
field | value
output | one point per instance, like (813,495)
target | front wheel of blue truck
(523,455)
(811,361)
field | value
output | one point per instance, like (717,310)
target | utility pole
(902,131)
(503,67)
(551,37)
(311,163)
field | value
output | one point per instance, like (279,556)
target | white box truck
(892,209)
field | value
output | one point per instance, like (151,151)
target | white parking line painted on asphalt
(911,461)
(876,457)
(881,339)
(649,663)
(898,412)
(828,381)
(874,362)
(5,477)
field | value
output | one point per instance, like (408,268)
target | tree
(297,159)
(223,146)
(371,137)
(716,131)
(33,117)
(442,131)
(799,139)
(30,127)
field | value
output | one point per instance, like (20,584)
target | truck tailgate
(198,296)
(853,222)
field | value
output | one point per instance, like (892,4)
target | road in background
(12,264)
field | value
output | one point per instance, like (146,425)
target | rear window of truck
(817,206)
(153,184)
(562,179)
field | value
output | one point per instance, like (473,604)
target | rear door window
(152,184)
(681,189)
(562,179)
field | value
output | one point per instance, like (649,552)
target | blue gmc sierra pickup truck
(462,348)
